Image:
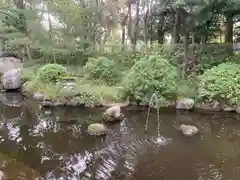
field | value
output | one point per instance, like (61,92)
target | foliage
(103,69)
(188,87)
(27,74)
(83,33)
(221,83)
(84,93)
(173,53)
(212,55)
(51,73)
(151,75)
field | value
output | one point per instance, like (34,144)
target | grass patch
(86,93)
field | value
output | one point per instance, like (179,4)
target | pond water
(52,144)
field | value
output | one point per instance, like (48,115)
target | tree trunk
(160,32)
(175,36)
(50,26)
(136,26)
(28,52)
(160,36)
(130,22)
(123,37)
(123,27)
(193,42)
(185,58)
(146,27)
(204,39)
(229,29)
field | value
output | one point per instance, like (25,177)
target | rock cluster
(110,115)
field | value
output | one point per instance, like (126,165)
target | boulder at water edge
(38,96)
(184,104)
(8,63)
(11,79)
(238,110)
(188,130)
(97,129)
(2,175)
(113,113)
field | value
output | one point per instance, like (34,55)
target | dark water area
(53,144)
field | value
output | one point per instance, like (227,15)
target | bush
(188,87)
(211,55)
(103,69)
(221,83)
(51,73)
(151,75)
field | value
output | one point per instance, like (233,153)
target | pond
(53,144)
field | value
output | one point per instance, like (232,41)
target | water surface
(52,144)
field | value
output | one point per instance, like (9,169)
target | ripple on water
(120,153)
(61,151)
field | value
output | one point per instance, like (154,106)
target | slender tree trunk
(130,22)
(176,37)
(185,58)
(160,32)
(123,37)
(193,42)
(151,33)
(146,27)
(229,29)
(50,26)
(123,27)
(160,36)
(28,51)
(147,5)
(136,25)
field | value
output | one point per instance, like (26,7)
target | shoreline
(199,108)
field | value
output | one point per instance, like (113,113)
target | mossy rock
(113,114)
(97,129)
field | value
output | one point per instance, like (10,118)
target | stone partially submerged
(188,130)
(185,104)
(11,79)
(97,129)
(2,175)
(113,114)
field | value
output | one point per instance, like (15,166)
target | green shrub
(221,83)
(150,75)
(211,55)
(235,58)
(103,69)
(51,73)
(188,87)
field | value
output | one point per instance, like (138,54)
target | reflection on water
(52,144)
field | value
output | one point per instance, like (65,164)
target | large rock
(97,129)
(2,175)
(237,109)
(113,113)
(38,96)
(11,79)
(184,104)
(8,63)
(69,83)
(188,130)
